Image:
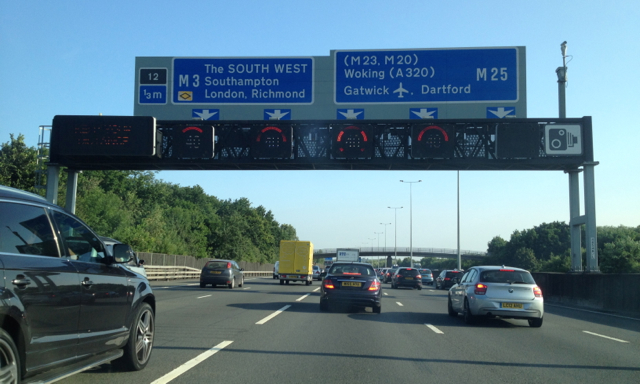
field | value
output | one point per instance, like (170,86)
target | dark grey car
(68,303)
(221,272)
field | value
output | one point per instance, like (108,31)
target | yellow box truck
(296,262)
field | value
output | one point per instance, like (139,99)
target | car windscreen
(216,265)
(507,276)
(352,270)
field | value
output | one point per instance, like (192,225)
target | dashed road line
(399,303)
(202,297)
(303,297)
(434,329)
(606,337)
(276,313)
(316,290)
(191,363)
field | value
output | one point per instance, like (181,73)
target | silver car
(492,291)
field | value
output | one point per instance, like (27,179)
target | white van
(275,270)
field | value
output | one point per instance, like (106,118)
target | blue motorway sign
(427,75)
(242,80)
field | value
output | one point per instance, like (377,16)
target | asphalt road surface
(265,332)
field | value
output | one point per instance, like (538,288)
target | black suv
(407,277)
(445,279)
(67,303)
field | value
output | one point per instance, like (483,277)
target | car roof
(351,262)
(19,194)
(494,267)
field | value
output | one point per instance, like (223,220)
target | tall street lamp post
(410,218)
(395,247)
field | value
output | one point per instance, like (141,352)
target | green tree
(18,164)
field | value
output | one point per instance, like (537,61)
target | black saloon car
(407,277)
(69,304)
(445,279)
(221,272)
(351,284)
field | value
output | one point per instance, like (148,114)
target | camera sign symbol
(563,139)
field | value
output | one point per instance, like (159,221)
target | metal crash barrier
(158,272)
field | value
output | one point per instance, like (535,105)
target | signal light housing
(271,142)
(433,141)
(352,142)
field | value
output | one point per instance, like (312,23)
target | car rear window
(352,270)
(427,271)
(216,265)
(452,274)
(506,276)
(408,272)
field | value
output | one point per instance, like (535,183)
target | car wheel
(468,317)
(535,323)
(9,362)
(140,345)
(232,284)
(202,285)
(287,282)
(324,305)
(281,282)
(377,309)
(241,282)
(419,287)
(452,312)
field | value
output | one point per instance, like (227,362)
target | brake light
(228,265)
(375,285)
(328,284)
(481,289)
(537,291)
(418,277)
(507,270)
(447,278)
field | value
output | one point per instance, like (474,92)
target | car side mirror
(122,253)
(140,262)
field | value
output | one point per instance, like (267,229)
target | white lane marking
(303,297)
(276,313)
(191,363)
(399,303)
(606,337)
(202,297)
(385,293)
(434,329)
(246,288)
(194,284)
(316,290)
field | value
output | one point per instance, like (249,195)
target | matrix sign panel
(429,76)
(103,136)
(242,81)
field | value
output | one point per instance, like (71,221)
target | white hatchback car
(492,291)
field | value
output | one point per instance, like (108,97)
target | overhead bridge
(405,252)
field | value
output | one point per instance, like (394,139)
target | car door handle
(86,282)
(21,281)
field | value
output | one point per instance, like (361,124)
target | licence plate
(216,272)
(292,276)
(408,278)
(351,284)
(512,305)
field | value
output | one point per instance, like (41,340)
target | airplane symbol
(401,91)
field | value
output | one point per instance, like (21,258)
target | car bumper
(215,279)
(355,299)
(404,283)
(531,310)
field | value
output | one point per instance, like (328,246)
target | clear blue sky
(78,57)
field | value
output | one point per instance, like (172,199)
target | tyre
(324,305)
(287,282)
(9,361)
(307,282)
(535,323)
(377,309)
(241,282)
(140,345)
(468,316)
(452,312)
(202,285)
(281,282)
(419,287)
(233,283)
